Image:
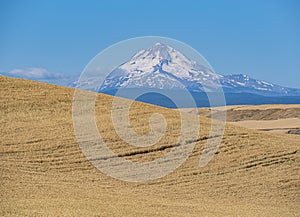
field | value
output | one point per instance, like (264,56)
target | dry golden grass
(44,173)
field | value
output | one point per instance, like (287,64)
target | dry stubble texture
(44,172)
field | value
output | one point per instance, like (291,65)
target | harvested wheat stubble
(44,173)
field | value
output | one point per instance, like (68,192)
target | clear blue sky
(259,38)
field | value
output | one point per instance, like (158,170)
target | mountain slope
(43,170)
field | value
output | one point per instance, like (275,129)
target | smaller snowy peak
(240,77)
(238,80)
(244,83)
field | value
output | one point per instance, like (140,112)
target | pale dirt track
(270,118)
(278,126)
(44,173)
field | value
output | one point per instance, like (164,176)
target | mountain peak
(160,51)
(160,66)
(159,45)
(156,51)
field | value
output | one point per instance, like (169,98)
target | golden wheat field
(44,172)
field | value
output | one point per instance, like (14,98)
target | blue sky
(50,38)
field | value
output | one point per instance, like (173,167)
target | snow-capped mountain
(163,67)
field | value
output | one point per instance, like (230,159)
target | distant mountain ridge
(239,83)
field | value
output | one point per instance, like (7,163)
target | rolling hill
(44,172)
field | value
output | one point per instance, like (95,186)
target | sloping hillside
(44,172)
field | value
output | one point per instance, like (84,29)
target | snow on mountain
(163,67)
(240,83)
